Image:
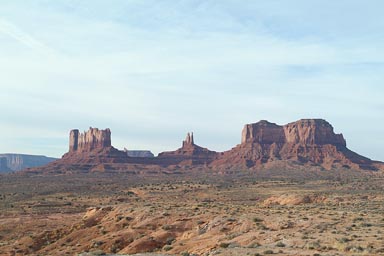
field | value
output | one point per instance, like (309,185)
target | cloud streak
(22,37)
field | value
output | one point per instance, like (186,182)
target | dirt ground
(192,213)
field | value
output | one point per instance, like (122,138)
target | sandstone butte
(309,142)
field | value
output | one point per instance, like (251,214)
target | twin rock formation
(307,141)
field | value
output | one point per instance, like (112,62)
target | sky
(153,70)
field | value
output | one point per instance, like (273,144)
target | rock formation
(89,149)
(189,154)
(139,153)
(308,142)
(3,165)
(305,141)
(17,162)
(89,140)
(189,141)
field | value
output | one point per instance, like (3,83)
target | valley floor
(191,214)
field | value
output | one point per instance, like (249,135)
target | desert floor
(192,213)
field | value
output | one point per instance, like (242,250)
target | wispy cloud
(23,37)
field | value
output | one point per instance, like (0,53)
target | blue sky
(154,70)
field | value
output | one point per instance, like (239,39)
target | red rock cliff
(311,132)
(306,141)
(89,140)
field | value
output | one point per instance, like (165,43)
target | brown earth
(192,213)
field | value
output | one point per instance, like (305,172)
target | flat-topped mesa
(89,140)
(303,132)
(304,141)
(312,132)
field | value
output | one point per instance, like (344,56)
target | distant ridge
(17,162)
(306,142)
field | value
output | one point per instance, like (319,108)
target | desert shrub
(167,247)
(224,245)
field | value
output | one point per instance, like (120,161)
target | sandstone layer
(307,141)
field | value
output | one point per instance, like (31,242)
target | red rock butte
(304,142)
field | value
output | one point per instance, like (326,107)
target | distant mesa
(139,153)
(17,162)
(3,165)
(92,147)
(309,142)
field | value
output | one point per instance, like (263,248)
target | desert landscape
(191,128)
(193,213)
(292,190)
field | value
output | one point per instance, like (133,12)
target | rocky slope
(189,153)
(17,162)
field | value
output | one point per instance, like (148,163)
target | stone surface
(17,162)
(189,141)
(263,132)
(88,150)
(188,154)
(307,141)
(312,132)
(89,140)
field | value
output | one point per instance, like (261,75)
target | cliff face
(312,132)
(17,162)
(91,147)
(305,141)
(89,140)
(3,165)
(263,132)
(304,132)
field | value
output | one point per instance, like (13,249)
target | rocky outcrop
(310,141)
(189,141)
(189,154)
(312,132)
(304,132)
(89,140)
(263,132)
(17,162)
(89,149)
